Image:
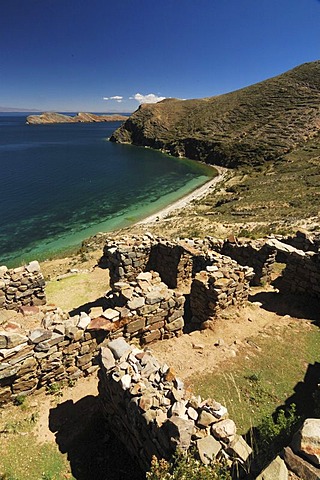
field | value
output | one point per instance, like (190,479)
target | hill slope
(249,126)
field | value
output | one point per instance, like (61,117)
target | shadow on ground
(93,451)
(306,398)
(86,307)
(297,306)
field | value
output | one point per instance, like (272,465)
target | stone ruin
(141,307)
(149,409)
(21,286)
(222,284)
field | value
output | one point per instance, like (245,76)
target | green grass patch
(264,375)
(24,459)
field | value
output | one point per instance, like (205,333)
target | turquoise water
(62,183)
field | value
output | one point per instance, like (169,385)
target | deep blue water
(62,183)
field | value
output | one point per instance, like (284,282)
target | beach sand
(184,201)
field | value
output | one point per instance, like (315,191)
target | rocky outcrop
(51,117)
(249,126)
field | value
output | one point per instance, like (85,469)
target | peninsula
(81,117)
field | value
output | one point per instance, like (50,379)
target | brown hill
(51,117)
(249,126)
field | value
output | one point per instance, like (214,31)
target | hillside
(261,122)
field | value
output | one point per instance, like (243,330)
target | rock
(15,339)
(154,297)
(84,321)
(28,310)
(224,429)
(179,431)
(39,335)
(101,323)
(175,325)
(107,358)
(206,419)
(33,267)
(299,466)
(111,314)
(119,347)
(125,381)
(276,470)
(307,440)
(239,448)
(208,448)
(136,302)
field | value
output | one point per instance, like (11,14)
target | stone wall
(175,261)
(21,286)
(255,254)
(303,241)
(145,309)
(148,408)
(64,348)
(301,274)
(222,284)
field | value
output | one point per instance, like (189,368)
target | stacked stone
(61,348)
(303,241)
(148,408)
(175,261)
(145,308)
(256,254)
(127,257)
(302,272)
(222,284)
(21,286)
(65,347)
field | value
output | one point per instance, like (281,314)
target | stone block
(136,325)
(276,470)
(208,448)
(306,441)
(119,347)
(299,466)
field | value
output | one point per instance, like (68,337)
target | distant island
(82,117)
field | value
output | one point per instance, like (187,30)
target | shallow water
(63,183)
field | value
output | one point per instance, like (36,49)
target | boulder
(276,470)
(307,440)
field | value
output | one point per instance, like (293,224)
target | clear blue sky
(68,55)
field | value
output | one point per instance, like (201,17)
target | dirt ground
(190,354)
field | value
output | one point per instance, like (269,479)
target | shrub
(186,467)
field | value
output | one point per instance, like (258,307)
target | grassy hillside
(262,122)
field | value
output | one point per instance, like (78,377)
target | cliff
(51,117)
(261,122)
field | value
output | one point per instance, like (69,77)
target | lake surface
(61,183)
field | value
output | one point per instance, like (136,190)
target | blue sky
(72,55)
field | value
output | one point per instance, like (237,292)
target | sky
(110,56)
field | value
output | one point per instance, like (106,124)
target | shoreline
(187,199)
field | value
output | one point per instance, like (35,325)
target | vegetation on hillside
(249,126)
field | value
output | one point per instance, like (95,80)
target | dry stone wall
(303,241)
(65,348)
(21,286)
(302,272)
(148,408)
(256,254)
(222,284)
(145,309)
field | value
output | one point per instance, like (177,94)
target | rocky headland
(261,122)
(81,117)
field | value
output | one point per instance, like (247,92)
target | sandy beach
(184,201)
